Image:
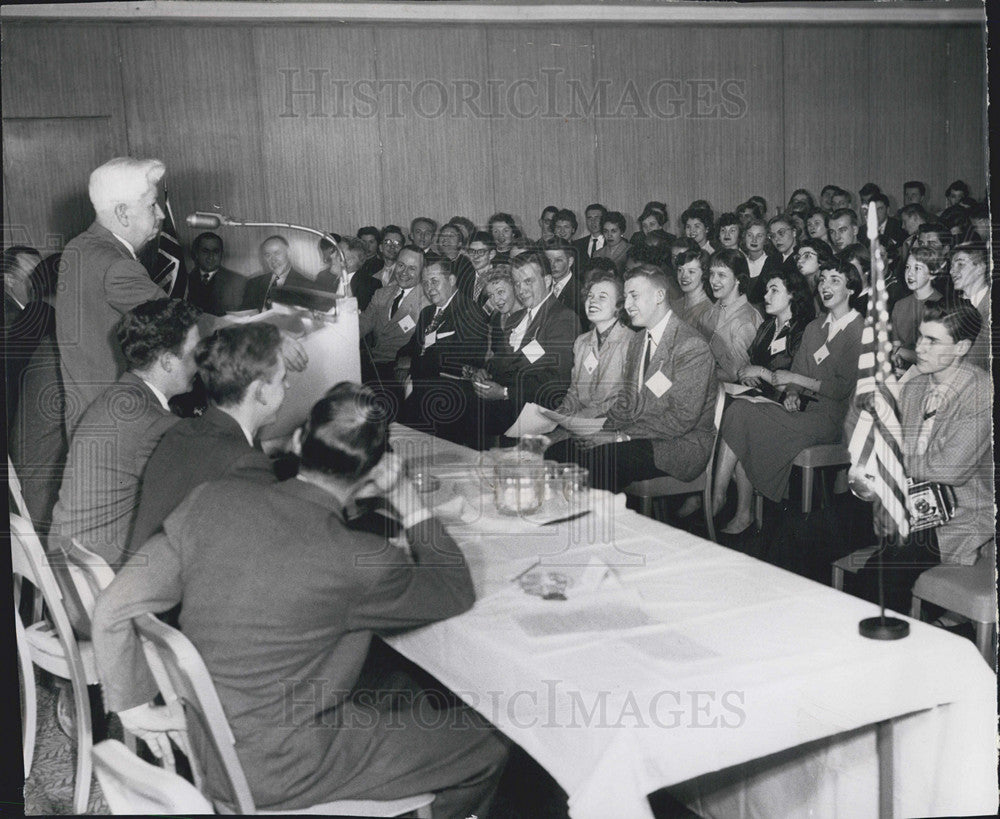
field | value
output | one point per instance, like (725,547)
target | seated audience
(599,354)
(466,226)
(842,200)
(451,334)
(826,197)
(692,277)
(388,322)
(504,309)
(801,199)
(760,441)
(360,285)
(843,224)
(782,233)
(538,364)
(651,220)
(564,225)
(117,433)
(213,288)
(731,322)
(679,245)
(278,273)
(546,222)
(276,593)
(451,245)
(970,274)
(788,306)
(615,246)
(914,193)
(945,413)
(662,420)
(698,223)
(380,266)
(245,378)
(908,312)
(957,193)
(759,261)
(890,229)
(810,256)
(422,232)
(747,212)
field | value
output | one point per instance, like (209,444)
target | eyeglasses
(392,242)
(807,254)
(474,252)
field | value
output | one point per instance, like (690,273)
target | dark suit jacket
(460,339)
(680,422)
(465,274)
(100,281)
(773,264)
(222,294)
(581,245)
(555,327)
(893,236)
(363,287)
(571,296)
(195,450)
(278,595)
(107,457)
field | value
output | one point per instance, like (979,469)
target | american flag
(167,267)
(876,444)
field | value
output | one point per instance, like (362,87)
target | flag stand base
(883,628)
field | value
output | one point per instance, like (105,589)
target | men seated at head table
(282,600)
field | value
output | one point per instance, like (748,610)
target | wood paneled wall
(336,126)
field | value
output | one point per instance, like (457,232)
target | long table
(745,689)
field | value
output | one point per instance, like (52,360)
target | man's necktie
(593,246)
(650,345)
(395,303)
(435,322)
(932,403)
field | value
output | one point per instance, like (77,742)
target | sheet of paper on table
(614,614)
(536,420)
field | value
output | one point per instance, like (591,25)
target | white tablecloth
(744,687)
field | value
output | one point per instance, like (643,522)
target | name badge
(590,362)
(429,339)
(406,324)
(658,383)
(779,345)
(821,354)
(533,351)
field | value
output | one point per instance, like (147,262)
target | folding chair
(192,685)
(647,490)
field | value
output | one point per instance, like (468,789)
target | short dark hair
(566,215)
(977,251)
(426,220)
(915,209)
(831,188)
(916,184)
(412,248)
(958,185)
(818,212)
(839,213)
(615,218)
(595,206)
(959,317)
(370,230)
(809,197)
(753,207)
(703,215)
(869,190)
(467,226)
(657,209)
(352,244)
(802,304)
(938,229)
(823,250)
(550,209)
(536,257)
(232,358)
(761,204)
(857,252)
(456,228)
(735,261)
(201,237)
(482,236)
(393,229)
(850,273)
(346,433)
(155,327)
(557,243)
(506,218)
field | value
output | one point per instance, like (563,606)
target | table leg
(884,750)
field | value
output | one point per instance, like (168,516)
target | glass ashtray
(547,585)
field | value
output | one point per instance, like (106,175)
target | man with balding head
(103,279)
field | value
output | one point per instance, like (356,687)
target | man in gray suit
(116,435)
(244,376)
(282,599)
(388,322)
(102,277)
(662,422)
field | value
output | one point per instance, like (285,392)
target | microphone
(204,221)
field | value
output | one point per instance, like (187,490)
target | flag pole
(881,627)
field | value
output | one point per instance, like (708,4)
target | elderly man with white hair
(103,279)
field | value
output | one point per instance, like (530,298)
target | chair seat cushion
(967,590)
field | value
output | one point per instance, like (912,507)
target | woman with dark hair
(692,278)
(698,223)
(546,221)
(599,354)
(504,231)
(732,321)
(810,255)
(728,231)
(760,440)
(816,225)
(652,219)
(788,303)
(801,199)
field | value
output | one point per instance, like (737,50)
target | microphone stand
(210,221)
